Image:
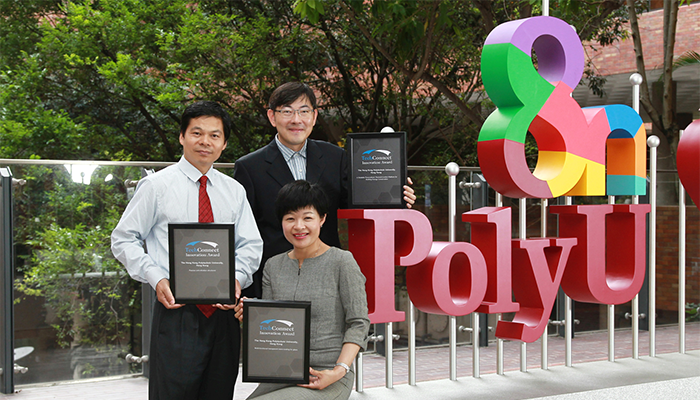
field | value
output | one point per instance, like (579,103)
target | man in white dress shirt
(194,353)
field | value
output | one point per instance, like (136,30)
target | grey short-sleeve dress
(335,286)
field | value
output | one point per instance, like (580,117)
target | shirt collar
(191,171)
(287,153)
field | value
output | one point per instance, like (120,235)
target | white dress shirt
(172,196)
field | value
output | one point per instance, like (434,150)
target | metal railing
(434,192)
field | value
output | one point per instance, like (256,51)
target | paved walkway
(674,375)
(433,363)
(667,376)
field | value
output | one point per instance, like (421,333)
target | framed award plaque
(276,336)
(377,170)
(202,263)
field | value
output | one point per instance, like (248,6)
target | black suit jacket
(264,172)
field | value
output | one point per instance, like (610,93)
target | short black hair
(205,109)
(300,194)
(289,92)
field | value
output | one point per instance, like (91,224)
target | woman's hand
(322,379)
(238,308)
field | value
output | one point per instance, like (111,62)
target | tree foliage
(107,79)
(430,53)
(120,72)
(63,245)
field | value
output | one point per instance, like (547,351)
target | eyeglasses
(304,113)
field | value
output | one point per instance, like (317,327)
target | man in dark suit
(292,156)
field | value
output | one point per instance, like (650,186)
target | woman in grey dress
(328,277)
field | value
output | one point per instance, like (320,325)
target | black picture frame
(274,351)
(378,170)
(202,263)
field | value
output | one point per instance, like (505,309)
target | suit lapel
(277,167)
(314,164)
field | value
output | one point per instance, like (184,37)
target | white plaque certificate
(202,263)
(377,170)
(276,336)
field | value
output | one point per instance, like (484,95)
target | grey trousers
(271,391)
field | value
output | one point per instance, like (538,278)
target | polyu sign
(484,275)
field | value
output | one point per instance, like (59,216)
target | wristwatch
(347,368)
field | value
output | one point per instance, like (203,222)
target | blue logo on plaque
(371,155)
(212,244)
(276,325)
(202,246)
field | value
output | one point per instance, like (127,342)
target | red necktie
(205,215)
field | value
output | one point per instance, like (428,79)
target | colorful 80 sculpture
(572,141)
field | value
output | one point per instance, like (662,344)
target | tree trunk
(661,105)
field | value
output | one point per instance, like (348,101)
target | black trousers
(193,357)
